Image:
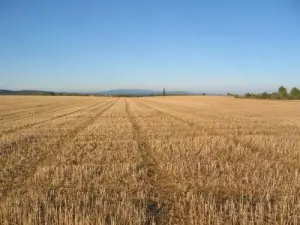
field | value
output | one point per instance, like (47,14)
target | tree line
(282,93)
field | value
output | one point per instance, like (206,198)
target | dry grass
(172,160)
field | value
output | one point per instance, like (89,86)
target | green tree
(275,95)
(250,95)
(282,91)
(295,93)
(265,95)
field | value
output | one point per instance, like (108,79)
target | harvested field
(160,160)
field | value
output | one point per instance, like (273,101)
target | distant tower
(164,92)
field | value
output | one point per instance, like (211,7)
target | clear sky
(69,45)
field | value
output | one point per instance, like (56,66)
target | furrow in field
(16,176)
(100,173)
(160,160)
(211,121)
(243,137)
(50,109)
(30,125)
(233,177)
(35,109)
(162,187)
(44,112)
(161,111)
(11,142)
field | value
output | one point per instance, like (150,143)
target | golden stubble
(160,160)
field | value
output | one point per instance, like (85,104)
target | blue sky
(211,46)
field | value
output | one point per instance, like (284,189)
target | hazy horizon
(192,91)
(196,46)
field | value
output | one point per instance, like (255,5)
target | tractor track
(25,170)
(7,148)
(37,109)
(27,126)
(34,112)
(169,115)
(234,138)
(160,198)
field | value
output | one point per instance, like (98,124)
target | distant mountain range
(126,92)
(141,92)
(22,92)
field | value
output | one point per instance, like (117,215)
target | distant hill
(126,92)
(22,92)
(140,92)
(116,92)
(178,93)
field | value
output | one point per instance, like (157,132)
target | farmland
(160,160)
